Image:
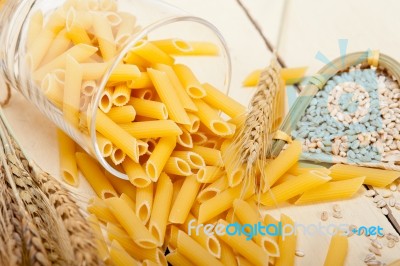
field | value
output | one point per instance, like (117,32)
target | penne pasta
(37,51)
(183,96)
(97,207)
(59,45)
(222,202)
(93,174)
(105,104)
(302,168)
(209,174)
(99,238)
(168,96)
(287,242)
(194,251)
(151,53)
(277,167)
(336,190)
(194,160)
(121,95)
(227,255)
(107,5)
(173,46)
(151,109)
(131,223)
(68,166)
(122,186)
(104,144)
(136,174)
(103,32)
(202,48)
(337,251)
(94,71)
(144,203)
(35,27)
(118,136)
(176,258)
(248,249)
(125,29)
(145,94)
(189,82)
(210,156)
(177,166)
(219,100)
(185,139)
(247,215)
(129,201)
(117,156)
(213,189)
(252,79)
(76,32)
(88,88)
(124,73)
(184,200)
(194,123)
(293,187)
(199,138)
(152,129)
(210,118)
(242,261)
(161,208)
(134,59)
(72,92)
(122,114)
(373,176)
(159,157)
(120,257)
(141,82)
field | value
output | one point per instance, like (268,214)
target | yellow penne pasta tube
(72,91)
(117,233)
(39,47)
(99,238)
(252,79)
(227,255)
(293,75)
(56,20)
(125,29)
(97,207)
(68,166)
(93,174)
(108,5)
(76,32)
(152,53)
(177,166)
(122,114)
(173,46)
(210,118)
(173,237)
(168,96)
(287,242)
(59,45)
(194,251)
(131,223)
(53,90)
(141,82)
(293,187)
(103,31)
(270,220)
(152,129)
(176,258)
(336,190)
(35,27)
(185,139)
(301,168)
(84,104)
(121,95)
(213,189)
(136,174)
(94,71)
(199,138)
(194,123)
(89,87)
(222,202)
(117,156)
(105,104)
(248,249)
(221,101)
(373,177)
(183,96)
(151,109)
(146,94)
(117,135)
(184,200)
(159,157)
(210,243)
(189,81)
(119,256)
(134,59)
(161,208)
(80,53)
(113,18)
(122,186)
(210,156)
(337,251)
(144,203)
(105,145)
(277,167)
(203,48)
(247,215)
(194,160)
(209,174)
(242,261)
(124,73)
(129,201)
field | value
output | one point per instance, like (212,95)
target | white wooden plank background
(312,26)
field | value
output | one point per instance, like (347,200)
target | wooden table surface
(311,26)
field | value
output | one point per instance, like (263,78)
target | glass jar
(35,33)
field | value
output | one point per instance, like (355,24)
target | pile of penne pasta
(158,124)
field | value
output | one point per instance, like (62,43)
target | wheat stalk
(253,141)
